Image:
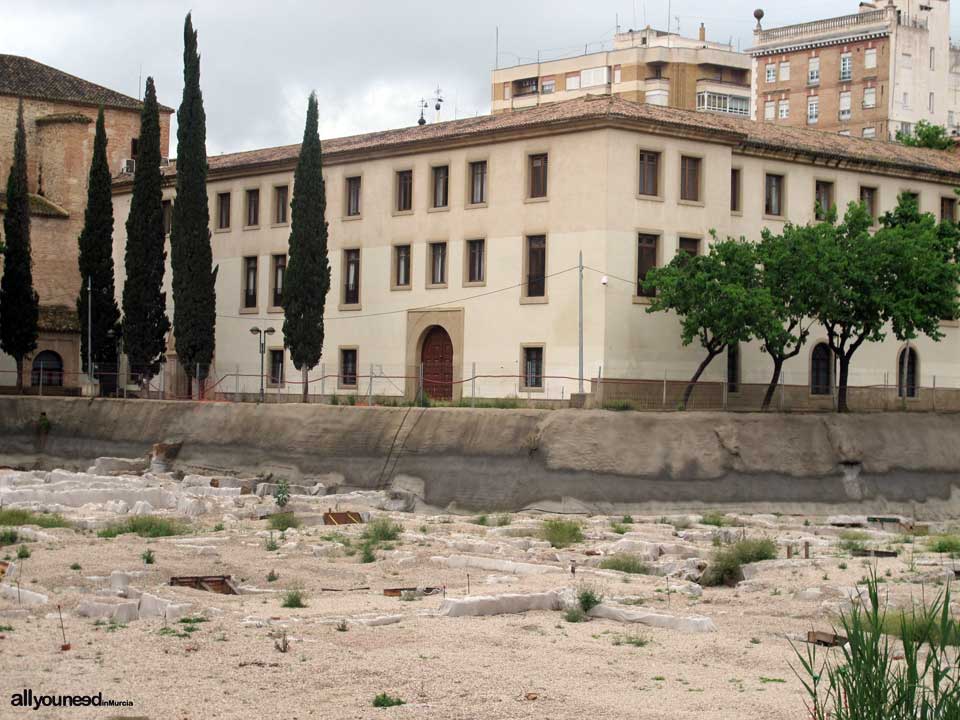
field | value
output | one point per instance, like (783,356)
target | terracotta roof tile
(58,318)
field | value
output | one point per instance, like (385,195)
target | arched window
(909,356)
(821,370)
(47,365)
(733,368)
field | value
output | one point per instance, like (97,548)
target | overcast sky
(370,61)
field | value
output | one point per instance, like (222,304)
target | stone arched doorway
(47,370)
(436,356)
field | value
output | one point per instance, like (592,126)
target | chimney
(703,33)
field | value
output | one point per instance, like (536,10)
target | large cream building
(455,246)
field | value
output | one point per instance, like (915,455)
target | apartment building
(454,246)
(867,74)
(653,66)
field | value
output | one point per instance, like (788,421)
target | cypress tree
(96,260)
(307,277)
(145,322)
(194,278)
(19,303)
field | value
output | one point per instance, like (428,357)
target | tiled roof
(39,206)
(23,77)
(58,318)
(744,134)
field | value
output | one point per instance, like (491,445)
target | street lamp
(263,348)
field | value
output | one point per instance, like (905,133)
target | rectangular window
(769,110)
(845,105)
(223,211)
(538,175)
(948,209)
(536,266)
(401,263)
(785,70)
(930,102)
(933,55)
(353,196)
(249,282)
(771,73)
(475,261)
(533,367)
(166,210)
(813,109)
(548,87)
(813,71)
(279,270)
(351,277)
(773,195)
(280,204)
(441,186)
(135,148)
(478,182)
(870,58)
(690,179)
(276,367)
(573,82)
(438,263)
(594,76)
(846,67)
(649,173)
(735,205)
(646,261)
(348,367)
(869,97)
(733,368)
(690,246)
(824,195)
(868,196)
(404,190)
(253,207)
(869,132)
(784,108)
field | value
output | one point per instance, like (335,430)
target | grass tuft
(575,615)
(17,516)
(146,526)
(588,598)
(562,533)
(625,563)
(725,565)
(949,544)
(715,518)
(384,700)
(382,530)
(8,536)
(283,521)
(294,598)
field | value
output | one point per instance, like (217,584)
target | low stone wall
(558,460)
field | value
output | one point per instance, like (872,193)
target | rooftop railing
(819,27)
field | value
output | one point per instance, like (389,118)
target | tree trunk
(696,376)
(842,384)
(20,375)
(306,385)
(772,387)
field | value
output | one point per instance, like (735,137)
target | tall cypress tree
(145,322)
(19,303)
(194,278)
(96,261)
(307,277)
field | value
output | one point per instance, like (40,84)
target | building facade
(647,65)
(868,74)
(60,113)
(455,249)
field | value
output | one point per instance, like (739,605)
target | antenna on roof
(423,106)
(140,83)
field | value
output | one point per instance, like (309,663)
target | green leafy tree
(307,278)
(716,296)
(96,302)
(194,277)
(926,135)
(145,323)
(19,303)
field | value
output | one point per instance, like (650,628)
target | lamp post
(261,334)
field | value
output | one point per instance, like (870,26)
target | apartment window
(441,186)
(824,195)
(869,132)
(869,97)
(253,207)
(771,73)
(930,102)
(906,104)
(646,261)
(351,277)
(404,190)
(533,367)
(870,58)
(548,87)
(223,211)
(276,367)
(933,56)
(735,205)
(249,282)
(948,209)
(475,261)
(649,173)
(573,82)
(279,270)
(951,119)
(134,148)
(690,179)
(478,182)
(906,128)
(813,109)
(536,266)
(722,103)
(280,204)
(785,70)
(733,368)
(166,210)
(813,71)
(690,246)
(538,175)
(868,197)
(401,264)
(616,73)
(846,67)
(908,357)
(594,76)
(784,109)
(845,105)
(353,196)
(821,370)
(769,110)
(348,367)
(773,195)
(438,263)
